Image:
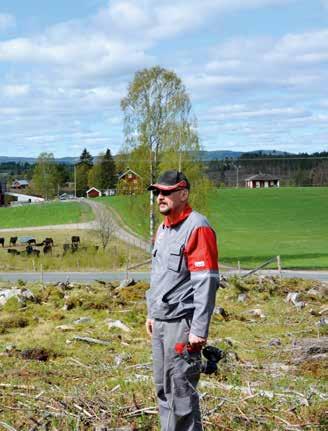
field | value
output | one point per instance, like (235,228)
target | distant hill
(66,160)
(206,156)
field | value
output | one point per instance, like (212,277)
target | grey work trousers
(175,378)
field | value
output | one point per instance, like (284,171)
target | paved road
(120,232)
(86,277)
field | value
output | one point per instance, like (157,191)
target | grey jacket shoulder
(198,220)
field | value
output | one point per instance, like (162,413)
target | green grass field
(45,214)
(254,225)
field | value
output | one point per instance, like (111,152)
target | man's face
(173,202)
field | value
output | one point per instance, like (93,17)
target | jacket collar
(178,218)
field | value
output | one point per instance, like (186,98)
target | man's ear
(185,195)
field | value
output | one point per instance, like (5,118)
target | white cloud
(7,22)
(15,90)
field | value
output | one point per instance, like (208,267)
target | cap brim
(157,186)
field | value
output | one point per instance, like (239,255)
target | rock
(293,297)
(126,282)
(314,294)
(257,312)
(242,297)
(221,311)
(81,320)
(323,310)
(309,349)
(22,295)
(275,342)
(117,324)
(323,322)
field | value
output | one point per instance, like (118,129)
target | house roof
(127,171)
(21,182)
(93,188)
(262,177)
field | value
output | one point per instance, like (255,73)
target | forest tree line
(293,170)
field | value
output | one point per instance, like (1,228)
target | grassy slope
(45,214)
(133,210)
(254,225)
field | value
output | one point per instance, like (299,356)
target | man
(180,301)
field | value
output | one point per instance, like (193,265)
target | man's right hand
(149,326)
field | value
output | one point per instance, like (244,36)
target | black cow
(13,240)
(13,251)
(48,241)
(47,249)
(29,249)
(2,242)
(74,247)
(75,239)
(31,241)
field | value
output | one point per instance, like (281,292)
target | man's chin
(164,211)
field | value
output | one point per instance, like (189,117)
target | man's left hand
(196,341)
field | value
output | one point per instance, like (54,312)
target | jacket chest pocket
(175,257)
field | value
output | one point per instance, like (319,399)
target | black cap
(170,180)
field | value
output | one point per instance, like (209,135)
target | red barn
(130,183)
(93,193)
(262,180)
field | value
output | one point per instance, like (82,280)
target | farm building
(130,183)
(262,180)
(93,193)
(19,184)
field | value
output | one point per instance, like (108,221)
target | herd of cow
(47,244)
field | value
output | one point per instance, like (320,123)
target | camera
(212,355)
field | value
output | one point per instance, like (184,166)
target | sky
(256,71)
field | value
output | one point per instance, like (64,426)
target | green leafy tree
(159,125)
(102,174)
(46,178)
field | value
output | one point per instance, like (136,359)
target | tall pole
(75,181)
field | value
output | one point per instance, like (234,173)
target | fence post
(279,266)
(238,265)
(42,275)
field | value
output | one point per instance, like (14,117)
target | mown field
(254,225)
(116,256)
(53,377)
(45,214)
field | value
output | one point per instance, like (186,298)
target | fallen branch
(145,410)
(10,386)
(91,340)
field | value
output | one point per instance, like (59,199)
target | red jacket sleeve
(201,250)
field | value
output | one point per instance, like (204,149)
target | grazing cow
(29,249)
(47,249)
(75,239)
(74,247)
(31,241)
(2,242)
(13,251)
(13,240)
(49,241)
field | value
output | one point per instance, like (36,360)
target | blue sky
(256,71)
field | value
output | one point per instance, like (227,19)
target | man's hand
(196,341)
(149,326)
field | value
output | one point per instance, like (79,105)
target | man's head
(172,191)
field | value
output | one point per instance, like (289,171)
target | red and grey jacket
(184,276)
